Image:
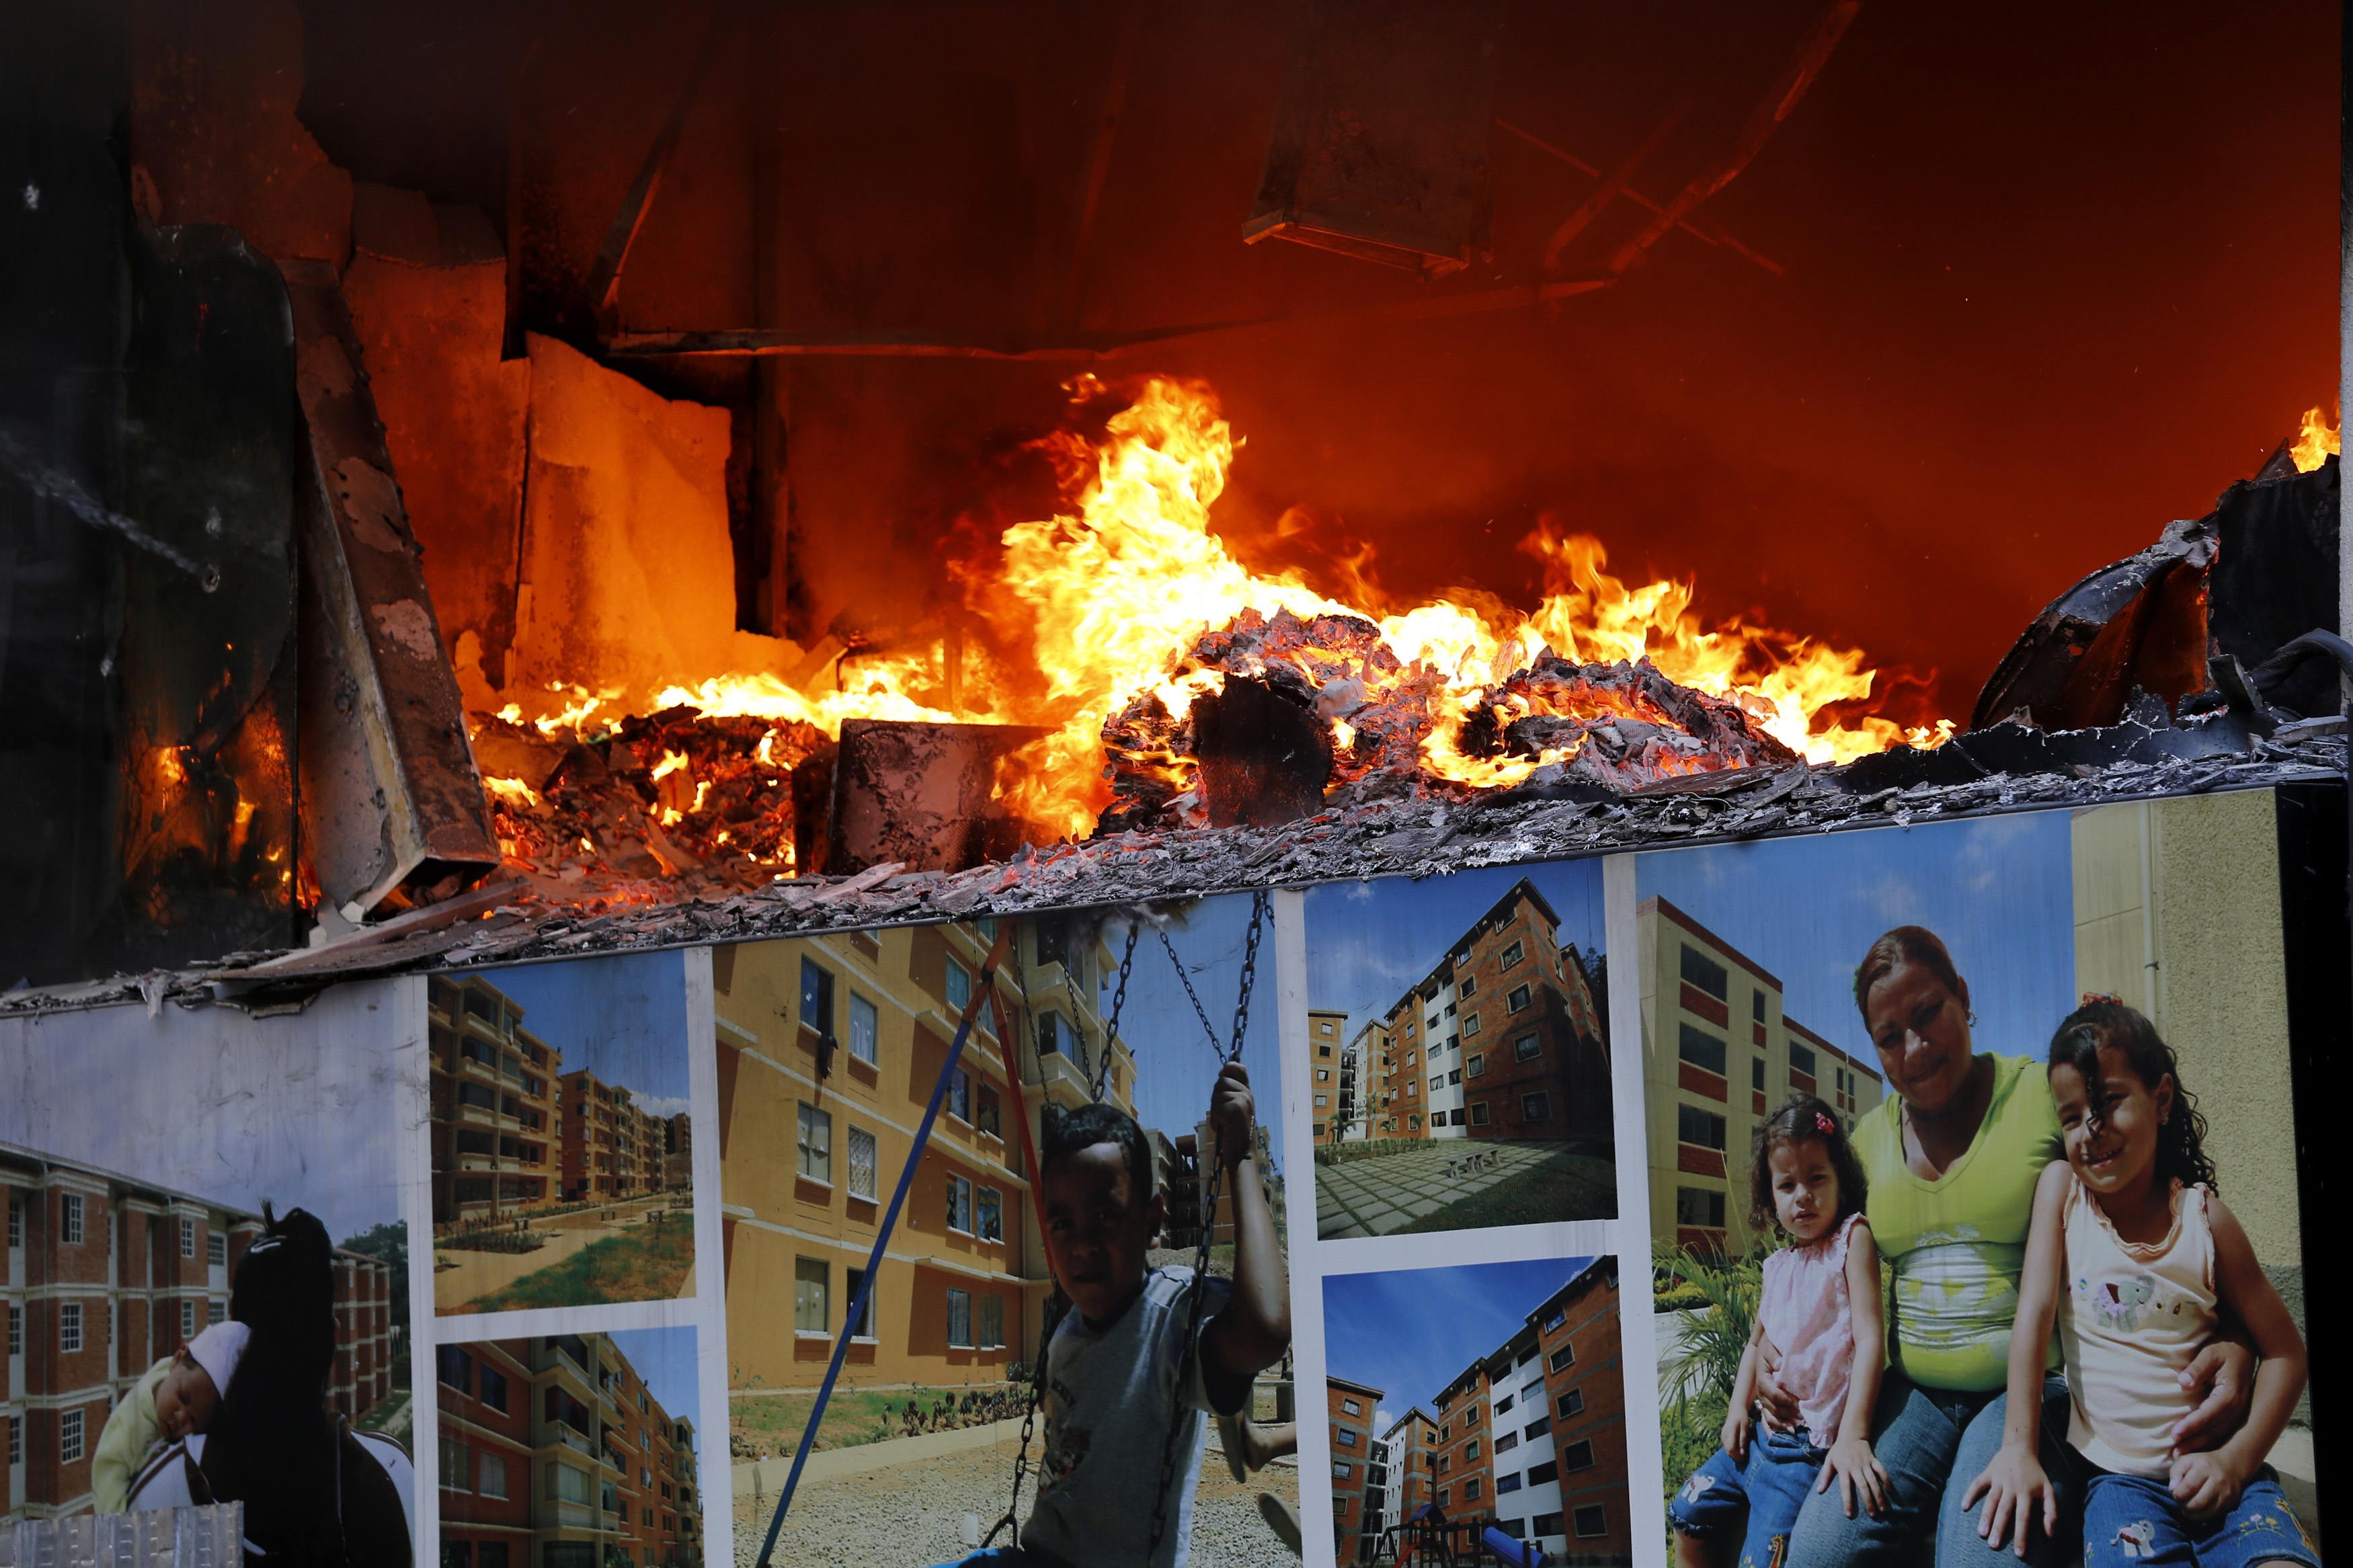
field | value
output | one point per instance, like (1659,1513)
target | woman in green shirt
(1953,1154)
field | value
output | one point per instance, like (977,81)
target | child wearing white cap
(175,1396)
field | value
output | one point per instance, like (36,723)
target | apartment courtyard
(1464,1185)
(638,1250)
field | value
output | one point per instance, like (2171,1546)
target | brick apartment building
(1351,1407)
(512,1132)
(1402,1478)
(1718,1056)
(828,1048)
(1532,1435)
(1333,1085)
(105,1277)
(612,1149)
(554,1453)
(1504,1039)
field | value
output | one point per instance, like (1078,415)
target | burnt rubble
(2007,768)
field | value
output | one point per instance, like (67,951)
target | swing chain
(1051,1321)
(1118,1004)
(1186,979)
(1210,1183)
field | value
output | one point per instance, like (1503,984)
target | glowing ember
(2315,443)
(1123,612)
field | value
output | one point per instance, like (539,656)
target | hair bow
(1822,1120)
(2110,997)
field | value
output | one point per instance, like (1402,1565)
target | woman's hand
(1858,1471)
(2207,1485)
(2011,1485)
(1735,1435)
(1780,1406)
(2225,1369)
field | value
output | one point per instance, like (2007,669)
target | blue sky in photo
(213,1102)
(1174,1064)
(1999,890)
(665,1359)
(1408,1332)
(1366,941)
(622,1016)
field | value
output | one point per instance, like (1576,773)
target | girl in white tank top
(2137,1260)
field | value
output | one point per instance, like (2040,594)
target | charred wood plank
(1264,757)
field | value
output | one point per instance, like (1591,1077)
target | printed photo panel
(207,1267)
(2101,1002)
(563,1136)
(830,1051)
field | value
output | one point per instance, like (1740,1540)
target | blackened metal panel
(2274,578)
(391,791)
(1380,145)
(918,795)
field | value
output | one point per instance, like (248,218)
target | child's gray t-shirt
(1111,1395)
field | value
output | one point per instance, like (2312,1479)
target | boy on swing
(1113,1364)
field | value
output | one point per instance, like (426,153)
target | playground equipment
(1427,1539)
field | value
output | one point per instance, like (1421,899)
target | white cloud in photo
(663,1105)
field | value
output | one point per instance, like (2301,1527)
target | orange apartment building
(1404,1475)
(1504,1039)
(1532,1435)
(1718,1055)
(1333,1084)
(554,1454)
(105,1277)
(1351,1407)
(828,1048)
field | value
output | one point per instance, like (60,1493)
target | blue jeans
(2131,1519)
(1931,1442)
(1759,1500)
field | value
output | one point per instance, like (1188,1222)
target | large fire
(1110,602)
(2315,443)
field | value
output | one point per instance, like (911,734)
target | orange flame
(1109,598)
(2315,443)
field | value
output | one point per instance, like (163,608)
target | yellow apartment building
(828,1048)
(1718,1054)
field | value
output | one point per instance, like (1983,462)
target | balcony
(556,1435)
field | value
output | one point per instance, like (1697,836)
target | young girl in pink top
(1820,1309)
(2139,1261)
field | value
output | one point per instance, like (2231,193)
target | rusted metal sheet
(919,795)
(1380,143)
(391,795)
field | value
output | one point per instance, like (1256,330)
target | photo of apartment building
(828,1048)
(554,1177)
(1352,1409)
(1529,1434)
(105,1276)
(562,1451)
(1719,1054)
(1480,1094)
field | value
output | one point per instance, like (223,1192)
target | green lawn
(645,1265)
(1566,1186)
(852,1416)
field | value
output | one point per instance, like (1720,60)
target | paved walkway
(1383,1192)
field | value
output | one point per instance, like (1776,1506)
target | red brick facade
(1351,1409)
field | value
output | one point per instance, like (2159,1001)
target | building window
(1438,1081)
(1757,1074)
(960,1096)
(862,1164)
(16,1220)
(1525,1046)
(1453,1075)
(1471,1452)
(1471,1027)
(810,1282)
(70,1437)
(1705,973)
(1539,1474)
(1470,1489)
(1504,1406)
(865,1029)
(215,1246)
(1341,1471)
(1801,1059)
(1535,1107)
(1506,1484)
(959,986)
(1538,1428)
(1054,1037)
(1577,1456)
(960,1204)
(1323,1101)
(456,1467)
(1701,1049)
(1591,1520)
(1570,1403)
(1517,1000)
(1704,1128)
(217,1310)
(860,1325)
(1475,1064)
(68,1326)
(992,1322)
(16,1330)
(816,1143)
(1698,1207)
(990,1118)
(992,1215)
(1478,1114)
(17,1442)
(492,1478)
(1322,1074)
(1756,1006)
(1565,1357)
(188,1318)
(1507,1442)
(817,996)
(1513,954)
(494,1389)
(455,1368)
(960,1319)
